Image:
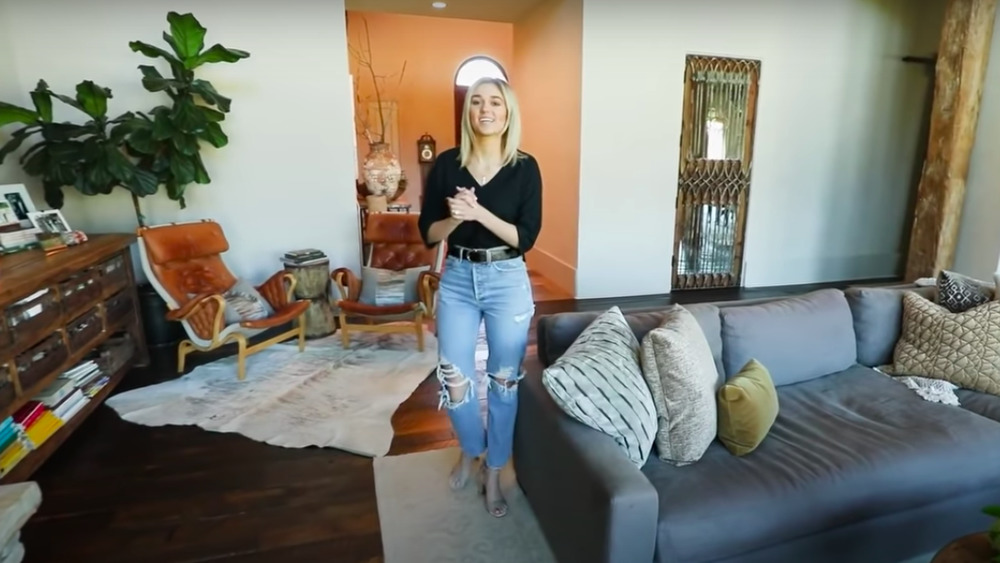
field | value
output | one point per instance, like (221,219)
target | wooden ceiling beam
(960,70)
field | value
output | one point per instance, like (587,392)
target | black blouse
(514,195)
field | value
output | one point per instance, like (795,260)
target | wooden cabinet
(61,310)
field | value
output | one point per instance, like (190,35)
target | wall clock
(426,149)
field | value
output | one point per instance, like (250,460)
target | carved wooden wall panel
(716,153)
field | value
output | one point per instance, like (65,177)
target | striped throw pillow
(598,381)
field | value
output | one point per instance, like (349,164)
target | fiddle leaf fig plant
(994,532)
(87,155)
(167,140)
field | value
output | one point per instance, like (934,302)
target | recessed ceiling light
(438,5)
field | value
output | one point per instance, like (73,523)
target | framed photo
(50,221)
(7,215)
(16,196)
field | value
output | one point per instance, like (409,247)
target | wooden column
(961,66)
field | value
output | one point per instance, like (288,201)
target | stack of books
(22,239)
(12,445)
(87,377)
(304,257)
(37,422)
(63,398)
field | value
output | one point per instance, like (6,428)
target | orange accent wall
(547,77)
(433,49)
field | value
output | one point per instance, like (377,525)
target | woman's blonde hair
(510,136)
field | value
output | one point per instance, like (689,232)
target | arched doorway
(468,72)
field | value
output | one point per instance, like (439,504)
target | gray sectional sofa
(857,467)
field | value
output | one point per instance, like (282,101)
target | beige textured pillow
(678,366)
(961,348)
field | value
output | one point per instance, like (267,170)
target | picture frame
(20,202)
(50,221)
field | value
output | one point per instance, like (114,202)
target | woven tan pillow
(962,348)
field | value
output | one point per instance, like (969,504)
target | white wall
(285,181)
(10,87)
(978,251)
(837,130)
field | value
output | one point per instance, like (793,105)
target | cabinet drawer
(80,291)
(41,360)
(32,316)
(113,275)
(84,329)
(117,307)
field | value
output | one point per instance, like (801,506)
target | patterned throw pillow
(678,365)
(598,381)
(961,348)
(382,287)
(245,303)
(959,293)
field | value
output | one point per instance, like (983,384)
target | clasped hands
(464,206)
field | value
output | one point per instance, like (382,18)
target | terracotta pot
(382,171)
(973,548)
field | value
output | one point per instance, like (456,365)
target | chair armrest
(204,313)
(279,289)
(592,503)
(348,284)
(428,284)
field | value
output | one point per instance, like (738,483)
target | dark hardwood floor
(120,492)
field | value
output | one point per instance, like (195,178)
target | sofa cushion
(599,382)
(797,338)
(878,315)
(557,332)
(845,448)
(962,348)
(677,365)
(980,403)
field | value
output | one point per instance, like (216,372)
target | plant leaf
(217,54)
(186,143)
(9,113)
(208,93)
(93,98)
(214,135)
(182,168)
(186,116)
(15,141)
(992,510)
(141,139)
(153,81)
(53,194)
(163,128)
(154,52)
(188,35)
(200,173)
(43,103)
(143,183)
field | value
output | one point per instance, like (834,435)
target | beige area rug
(423,521)
(325,396)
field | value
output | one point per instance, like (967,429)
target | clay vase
(381,171)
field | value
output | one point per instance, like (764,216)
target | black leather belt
(483,254)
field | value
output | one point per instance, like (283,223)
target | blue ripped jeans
(500,293)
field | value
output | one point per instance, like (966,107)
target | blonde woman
(484,199)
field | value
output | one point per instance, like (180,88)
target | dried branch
(362,54)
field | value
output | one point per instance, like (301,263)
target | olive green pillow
(748,407)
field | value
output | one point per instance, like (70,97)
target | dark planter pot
(159,331)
